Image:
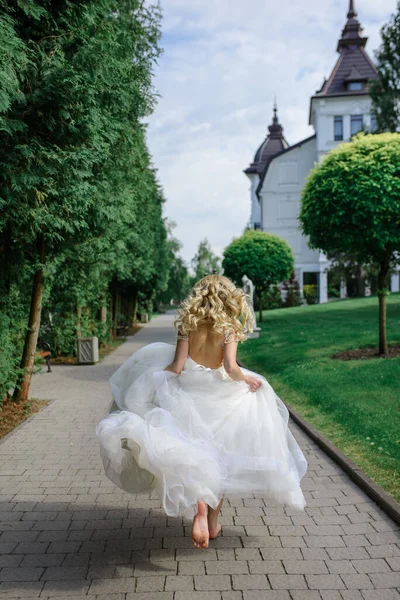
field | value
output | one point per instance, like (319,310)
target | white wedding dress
(197,436)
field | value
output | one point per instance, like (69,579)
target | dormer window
(355,81)
(355,86)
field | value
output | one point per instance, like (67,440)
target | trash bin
(88,350)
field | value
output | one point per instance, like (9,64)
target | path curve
(68,533)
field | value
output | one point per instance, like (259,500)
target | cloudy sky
(223,63)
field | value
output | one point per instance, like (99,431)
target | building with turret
(338,110)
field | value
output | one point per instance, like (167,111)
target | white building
(341,108)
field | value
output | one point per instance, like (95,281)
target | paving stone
(381,594)
(20,573)
(384,580)
(306,595)
(162,567)
(149,584)
(305,566)
(70,587)
(20,589)
(119,585)
(394,562)
(196,555)
(287,582)
(149,596)
(179,583)
(42,560)
(371,565)
(267,541)
(11,560)
(73,559)
(212,582)
(122,570)
(250,582)
(230,595)
(226,567)
(103,572)
(247,554)
(58,547)
(383,551)
(191,568)
(355,552)
(266,566)
(281,553)
(162,554)
(60,573)
(340,566)
(324,582)
(210,595)
(267,595)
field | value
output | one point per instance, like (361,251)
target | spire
(352,13)
(351,34)
(276,129)
(273,144)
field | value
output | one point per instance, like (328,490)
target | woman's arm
(233,369)
(181,354)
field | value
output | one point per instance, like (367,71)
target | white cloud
(224,61)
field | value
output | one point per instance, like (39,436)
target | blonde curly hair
(217,303)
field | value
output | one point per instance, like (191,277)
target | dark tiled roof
(289,149)
(272,145)
(351,61)
(353,64)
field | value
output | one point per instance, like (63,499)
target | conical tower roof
(353,65)
(274,143)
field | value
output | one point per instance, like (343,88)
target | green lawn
(356,404)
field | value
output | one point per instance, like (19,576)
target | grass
(353,403)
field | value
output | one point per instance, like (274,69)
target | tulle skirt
(197,436)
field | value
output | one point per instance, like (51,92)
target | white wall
(323,111)
(255,216)
(280,200)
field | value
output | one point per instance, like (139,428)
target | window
(356,124)
(355,86)
(374,124)
(338,129)
(257,225)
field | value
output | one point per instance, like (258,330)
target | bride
(194,426)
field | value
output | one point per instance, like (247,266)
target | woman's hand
(253,382)
(172,368)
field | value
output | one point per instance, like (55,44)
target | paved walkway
(68,533)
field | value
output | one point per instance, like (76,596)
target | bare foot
(200,533)
(214,531)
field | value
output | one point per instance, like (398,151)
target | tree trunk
(382,291)
(21,391)
(103,310)
(78,326)
(134,310)
(260,305)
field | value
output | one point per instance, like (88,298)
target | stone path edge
(368,485)
(32,416)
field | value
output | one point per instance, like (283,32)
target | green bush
(310,293)
(293,296)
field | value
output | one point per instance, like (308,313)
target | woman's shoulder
(230,335)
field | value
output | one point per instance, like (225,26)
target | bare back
(205,347)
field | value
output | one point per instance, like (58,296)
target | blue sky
(223,63)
